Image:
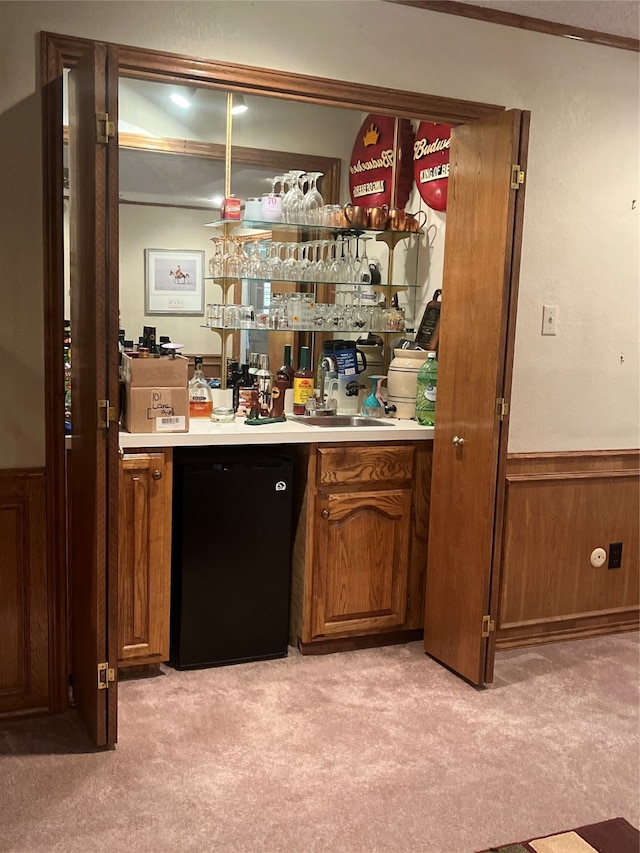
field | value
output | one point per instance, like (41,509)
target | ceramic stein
(402,381)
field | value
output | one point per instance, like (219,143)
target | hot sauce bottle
(302,383)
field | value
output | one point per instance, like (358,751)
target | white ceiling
(616,17)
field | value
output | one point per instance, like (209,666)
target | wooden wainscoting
(559,508)
(24,635)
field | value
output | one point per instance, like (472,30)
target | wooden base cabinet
(144,557)
(359,555)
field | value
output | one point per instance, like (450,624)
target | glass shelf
(385,236)
(324,328)
(225,280)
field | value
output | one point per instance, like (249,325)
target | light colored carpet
(376,750)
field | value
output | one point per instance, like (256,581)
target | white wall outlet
(598,557)
(549,319)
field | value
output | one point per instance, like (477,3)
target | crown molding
(523,22)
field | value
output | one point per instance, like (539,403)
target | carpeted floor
(376,750)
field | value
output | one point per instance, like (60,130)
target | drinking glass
(313,201)
(293,198)
(362,273)
(275,262)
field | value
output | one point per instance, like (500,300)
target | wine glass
(313,201)
(291,202)
(362,273)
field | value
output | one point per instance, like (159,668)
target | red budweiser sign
(372,159)
(431,163)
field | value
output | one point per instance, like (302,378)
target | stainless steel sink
(340,421)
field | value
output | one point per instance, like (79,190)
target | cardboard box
(162,410)
(155,372)
(156,398)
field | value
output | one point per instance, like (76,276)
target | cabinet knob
(157,475)
(457,441)
(325,513)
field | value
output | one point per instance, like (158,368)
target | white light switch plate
(549,319)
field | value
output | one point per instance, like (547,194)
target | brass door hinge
(517,176)
(503,408)
(105,129)
(106,414)
(106,674)
(488,626)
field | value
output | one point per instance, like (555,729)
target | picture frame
(174,282)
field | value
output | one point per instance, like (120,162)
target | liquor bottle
(302,383)
(200,399)
(286,371)
(281,384)
(426,391)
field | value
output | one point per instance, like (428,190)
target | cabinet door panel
(144,558)
(360,581)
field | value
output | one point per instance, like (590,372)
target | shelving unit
(287,234)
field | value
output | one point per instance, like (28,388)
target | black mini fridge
(231,555)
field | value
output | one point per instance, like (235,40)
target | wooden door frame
(58,52)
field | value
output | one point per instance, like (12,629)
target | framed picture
(173,281)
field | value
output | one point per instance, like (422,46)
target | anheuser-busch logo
(422,147)
(383,162)
(431,163)
(374,161)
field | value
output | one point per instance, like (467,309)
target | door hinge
(106,414)
(408,602)
(517,176)
(105,129)
(503,408)
(487,626)
(106,674)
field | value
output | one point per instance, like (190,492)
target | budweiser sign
(431,163)
(372,162)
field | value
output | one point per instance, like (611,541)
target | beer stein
(357,217)
(378,217)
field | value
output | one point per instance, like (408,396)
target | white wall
(580,249)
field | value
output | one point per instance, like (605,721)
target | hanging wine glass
(292,201)
(362,273)
(313,201)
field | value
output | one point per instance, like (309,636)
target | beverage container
(426,391)
(265,382)
(286,371)
(243,391)
(302,383)
(200,399)
(402,381)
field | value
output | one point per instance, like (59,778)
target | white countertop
(203,431)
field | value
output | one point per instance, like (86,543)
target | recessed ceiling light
(181,99)
(239,105)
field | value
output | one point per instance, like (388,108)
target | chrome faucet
(325,405)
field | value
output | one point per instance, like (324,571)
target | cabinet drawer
(373,463)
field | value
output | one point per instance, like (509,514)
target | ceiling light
(239,105)
(216,200)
